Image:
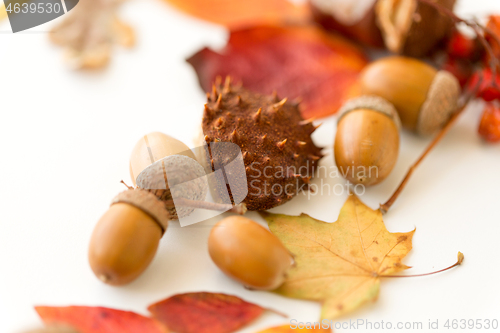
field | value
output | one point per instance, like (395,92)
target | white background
(65,139)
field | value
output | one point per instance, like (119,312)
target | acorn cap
(175,176)
(147,202)
(440,105)
(371,102)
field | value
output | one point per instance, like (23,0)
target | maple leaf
(295,61)
(339,264)
(90,31)
(204,312)
(241,13)
(87,319)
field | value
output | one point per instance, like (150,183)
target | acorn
(249,253)
(367,140)
(424,97)
(160,163)
(153,147)
(126,238)
(412,27)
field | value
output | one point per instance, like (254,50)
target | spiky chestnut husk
(272,136)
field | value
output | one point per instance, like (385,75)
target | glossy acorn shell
(123,244)
(403,81)
(249,253)
(366,146)
(153,147)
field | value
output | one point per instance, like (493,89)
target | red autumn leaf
(99,320)
(243,13)
(298,62)
(289,329)
(489,128)
(205,313)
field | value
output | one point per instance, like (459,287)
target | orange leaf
(99,320)
(205,313)
(241,13)
(288,329)
(298,62)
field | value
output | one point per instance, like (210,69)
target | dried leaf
(99,320)
(243,13)
(489,128)
(339,264)
(205,313)
(3,12)
(90,31)
(288,329)
(297,62)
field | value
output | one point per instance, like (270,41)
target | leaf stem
(460,259)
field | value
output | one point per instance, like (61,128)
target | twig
(384,208)
(478,30)
(238,209)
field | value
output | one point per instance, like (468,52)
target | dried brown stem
(238,209)
(460,259)
(129,187)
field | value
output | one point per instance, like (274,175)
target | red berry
(462,47)
(461,68)
(489,89)
(489,128)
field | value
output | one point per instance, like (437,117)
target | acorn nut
(153,147)
(248,253)
(125,239)
(424,97)
(160,163)
(367,140)
(172,178)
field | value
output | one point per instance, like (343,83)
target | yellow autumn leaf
(340,263)
(3,12)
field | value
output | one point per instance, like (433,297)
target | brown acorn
(273,137)
(248,253)
(411,27)
(125,240)
(367,140)
(424,97)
